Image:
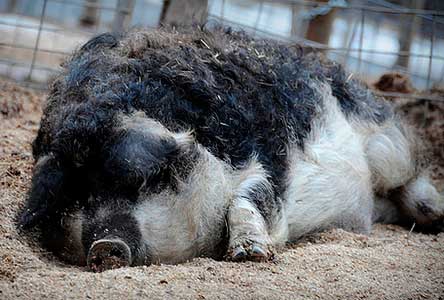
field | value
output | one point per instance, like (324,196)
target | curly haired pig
(159,146)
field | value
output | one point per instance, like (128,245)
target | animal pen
(370,37)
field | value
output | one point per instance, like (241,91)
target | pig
(159,146)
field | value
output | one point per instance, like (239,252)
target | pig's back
(239,95)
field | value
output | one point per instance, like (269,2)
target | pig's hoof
(107,254)
(250,251)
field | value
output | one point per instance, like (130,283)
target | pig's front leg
(247,227)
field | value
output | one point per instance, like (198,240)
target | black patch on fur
(134,161)
(355,99)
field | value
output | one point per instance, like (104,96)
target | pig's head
(148,196)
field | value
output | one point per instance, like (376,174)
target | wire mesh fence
(370,37)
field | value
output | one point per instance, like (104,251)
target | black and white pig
(160,146)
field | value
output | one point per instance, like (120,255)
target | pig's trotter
(249,238)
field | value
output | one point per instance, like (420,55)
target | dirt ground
(391,263)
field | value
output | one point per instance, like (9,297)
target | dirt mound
(394,82)
(15,101)
(428,119)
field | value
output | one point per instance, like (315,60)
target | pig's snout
(107,254)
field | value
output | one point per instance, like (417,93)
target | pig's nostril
(108,254)
(115,252)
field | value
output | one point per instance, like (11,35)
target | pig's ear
(143,151)
(138,132)
(46,189)
(136,155)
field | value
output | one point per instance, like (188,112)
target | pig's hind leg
(406,194)
(252,207)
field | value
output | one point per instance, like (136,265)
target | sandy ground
(391,263)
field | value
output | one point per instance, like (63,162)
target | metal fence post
(180,12)
(361,40)
(432,45)
(89,15)
(123,13)
(11,5)
(36,47)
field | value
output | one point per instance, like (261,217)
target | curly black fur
(240,96)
